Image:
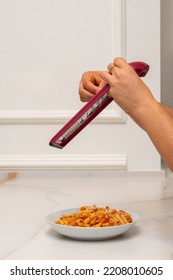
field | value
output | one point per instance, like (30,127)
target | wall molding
(56,117)
(65,162)
(119,15)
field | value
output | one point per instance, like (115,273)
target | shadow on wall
(167,52)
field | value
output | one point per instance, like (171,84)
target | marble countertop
(25,233)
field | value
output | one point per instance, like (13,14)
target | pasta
(93,216)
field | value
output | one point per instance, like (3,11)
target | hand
(126,88)
(89,85)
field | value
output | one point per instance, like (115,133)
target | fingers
(85,95)
(92,82)
(89,85)
(120,62)
(117,63)
(110,67)
(102,84)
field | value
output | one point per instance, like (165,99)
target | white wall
(44,48)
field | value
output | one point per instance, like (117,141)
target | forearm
(168,109)
(158,124)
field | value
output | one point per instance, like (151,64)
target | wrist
(148,113)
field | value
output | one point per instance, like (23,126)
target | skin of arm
(168,109)
(135,98)
(158,124)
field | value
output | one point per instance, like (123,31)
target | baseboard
(120,186)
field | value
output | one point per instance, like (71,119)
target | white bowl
(88,233)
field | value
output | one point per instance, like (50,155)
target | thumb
(101,85)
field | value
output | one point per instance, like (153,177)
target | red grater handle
(90,111)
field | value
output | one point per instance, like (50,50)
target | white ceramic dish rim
(95,233)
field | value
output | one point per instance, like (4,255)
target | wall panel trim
(65,162)
(55,117)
